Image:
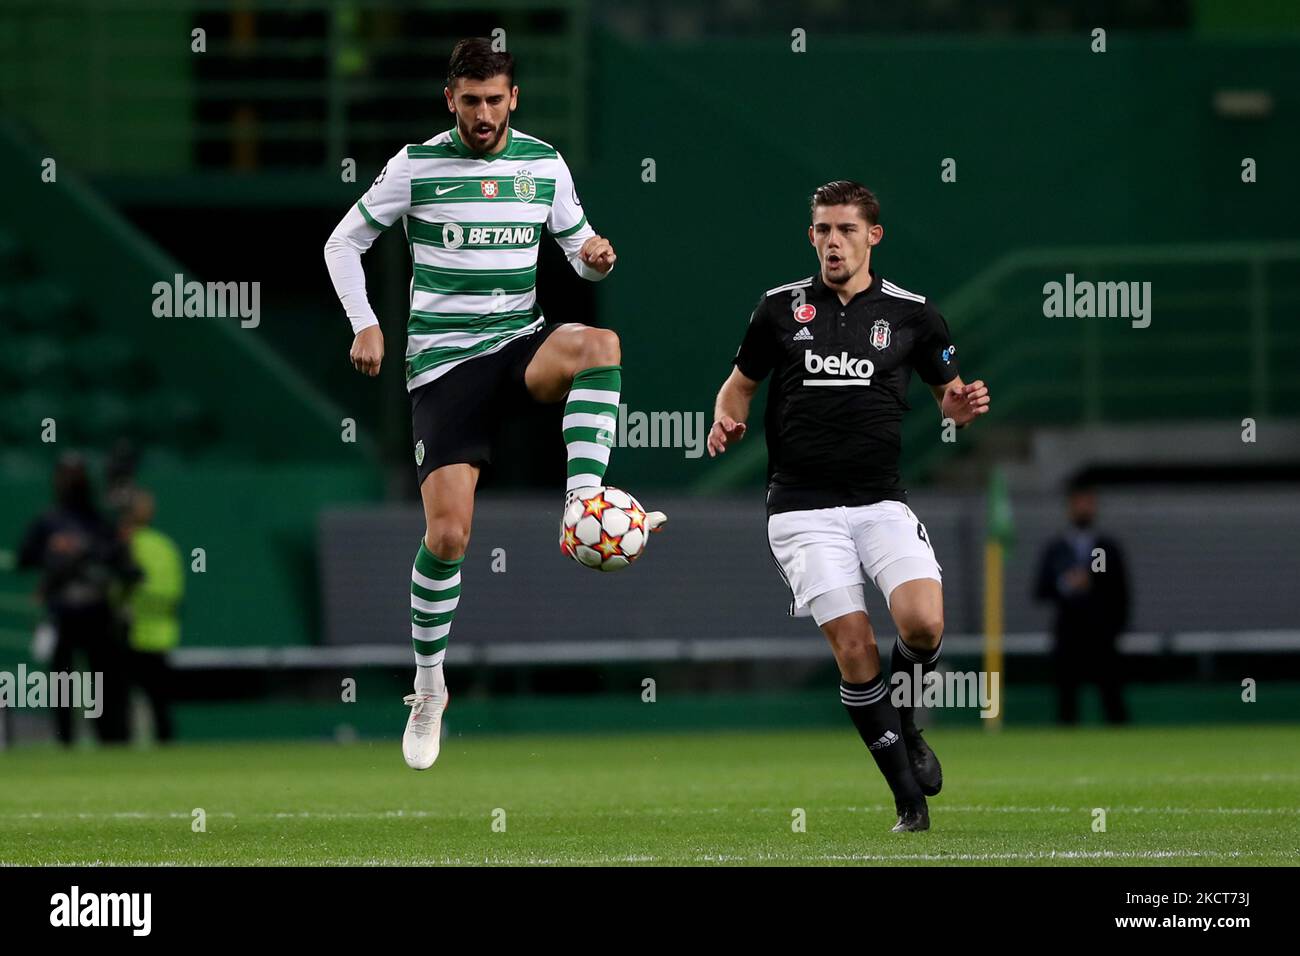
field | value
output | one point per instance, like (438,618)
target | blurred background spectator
(1082,574)
(153,606)
(85,570)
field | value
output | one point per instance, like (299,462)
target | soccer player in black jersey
(841,346)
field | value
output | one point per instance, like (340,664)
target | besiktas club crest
(880,335)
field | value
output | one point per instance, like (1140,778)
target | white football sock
(429,680)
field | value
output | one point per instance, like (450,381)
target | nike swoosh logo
(439,190)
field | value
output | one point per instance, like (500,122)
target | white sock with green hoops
(590,422)
(435,592)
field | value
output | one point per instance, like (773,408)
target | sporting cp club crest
(489,187)
(525,187)
(419,453)
(880,335)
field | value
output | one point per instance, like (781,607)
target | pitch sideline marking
(731,858)
(651,811)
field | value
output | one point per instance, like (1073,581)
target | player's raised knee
(598,347)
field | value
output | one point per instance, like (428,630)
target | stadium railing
(1030,644)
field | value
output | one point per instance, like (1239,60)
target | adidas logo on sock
(888,739)
(803,335)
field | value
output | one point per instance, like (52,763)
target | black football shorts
(454,417)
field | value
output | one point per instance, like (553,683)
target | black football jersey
(840,374)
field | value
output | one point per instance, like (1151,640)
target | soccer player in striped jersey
(474,201)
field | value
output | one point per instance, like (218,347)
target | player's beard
(838,275)
(470,139)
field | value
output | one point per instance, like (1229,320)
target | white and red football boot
(423,737)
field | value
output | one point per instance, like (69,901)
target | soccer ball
(604,528)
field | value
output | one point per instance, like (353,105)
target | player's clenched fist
(724,431)
(368,350)
(963,403)
(598,253)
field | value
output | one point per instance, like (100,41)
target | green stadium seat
(112,362)
(47,304)
(172,418)
(102,417)
(32,358)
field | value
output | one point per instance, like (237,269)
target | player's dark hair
(474,59)
(845,192)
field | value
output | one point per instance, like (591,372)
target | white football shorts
(825,549)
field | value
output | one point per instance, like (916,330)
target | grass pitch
(1190,796)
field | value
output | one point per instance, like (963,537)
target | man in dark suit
(1083,574)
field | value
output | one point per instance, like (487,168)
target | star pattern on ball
(608,546)
(570,541)
(635,517)
(595,505)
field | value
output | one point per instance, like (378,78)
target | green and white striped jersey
(473,225)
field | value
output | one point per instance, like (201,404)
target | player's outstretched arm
(961,402)
(730,411)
